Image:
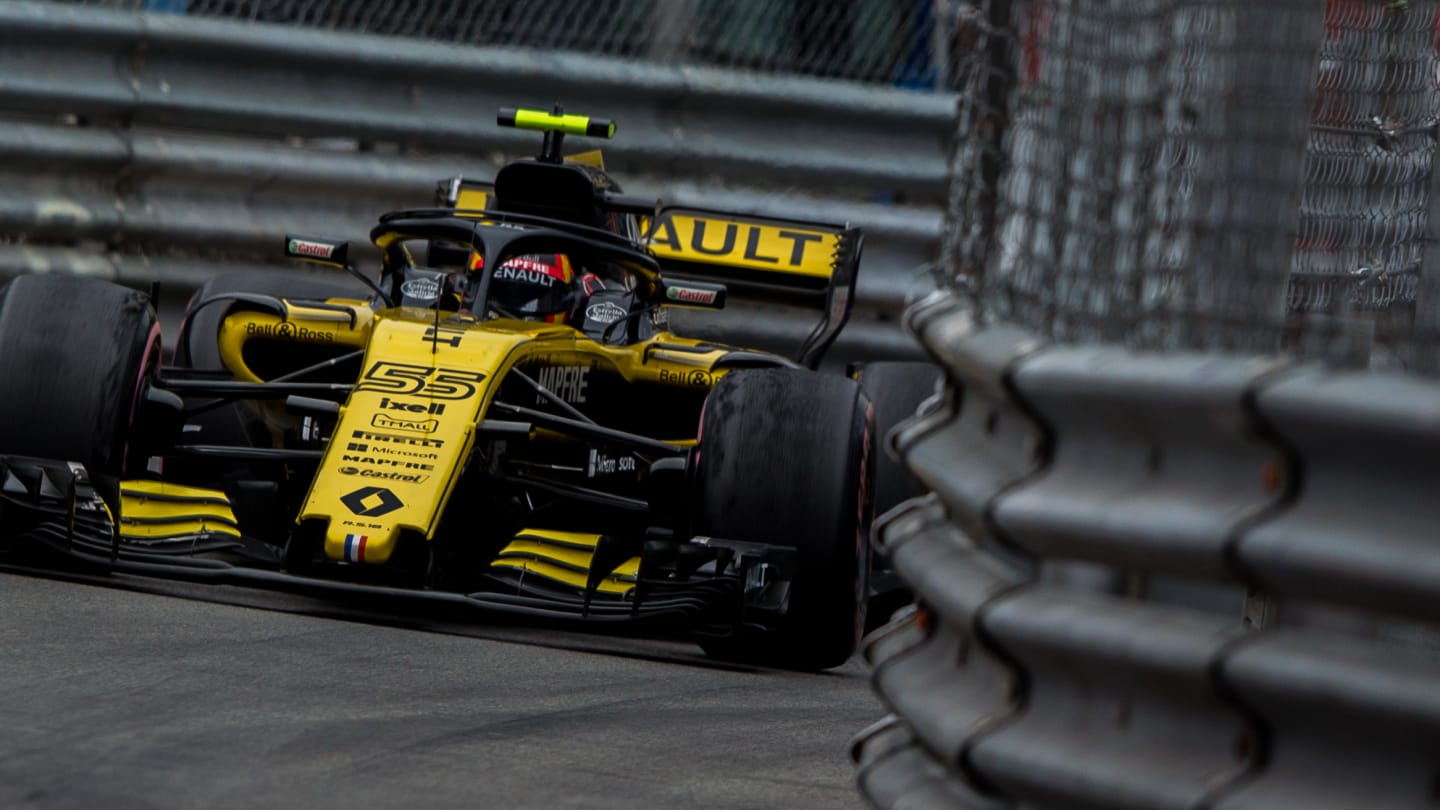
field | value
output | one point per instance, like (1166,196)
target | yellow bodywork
(404,434)
(155,510)
(564,557)
(301,324)
(470,198)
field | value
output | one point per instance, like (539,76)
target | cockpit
(599,298)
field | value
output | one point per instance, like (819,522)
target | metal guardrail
(905,42)
(165,70)
(1159,581)
(142,145)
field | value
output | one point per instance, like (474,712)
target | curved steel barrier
(1186,580)
(266,80)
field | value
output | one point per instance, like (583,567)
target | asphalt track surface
(161,695)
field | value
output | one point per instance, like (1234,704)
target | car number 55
(403,378)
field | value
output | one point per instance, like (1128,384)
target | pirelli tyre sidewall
(896,389)
(786,457)
(76,351)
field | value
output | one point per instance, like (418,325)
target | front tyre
(785,458)
(74,353)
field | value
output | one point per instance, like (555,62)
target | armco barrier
(1159,581)
(264,80)
(131,144)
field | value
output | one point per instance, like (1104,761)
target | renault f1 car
(503,419)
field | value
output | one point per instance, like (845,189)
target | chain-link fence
(1128,185)
(1166,173)
(900,42)
(1371,154)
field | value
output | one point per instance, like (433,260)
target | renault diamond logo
(372,501)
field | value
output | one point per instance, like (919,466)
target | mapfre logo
(568,382)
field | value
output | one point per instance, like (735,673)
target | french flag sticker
(355,548)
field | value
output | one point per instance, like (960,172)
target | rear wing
(813,262)
(772,259)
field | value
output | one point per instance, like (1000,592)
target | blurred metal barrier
(903,42)
(1188,580)
(144,146)
(1194,563)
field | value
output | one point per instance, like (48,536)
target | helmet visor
(535,285)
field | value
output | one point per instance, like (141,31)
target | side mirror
(699,294)
(330,253)
(321,251)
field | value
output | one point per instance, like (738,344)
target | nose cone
(374,546)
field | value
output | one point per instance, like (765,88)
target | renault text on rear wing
(789,259)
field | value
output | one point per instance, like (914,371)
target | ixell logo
(384,422)
(288,331)
(432,408)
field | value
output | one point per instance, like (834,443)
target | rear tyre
(785,459)
(896,389)
(75,354)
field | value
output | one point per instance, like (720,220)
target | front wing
(55,514)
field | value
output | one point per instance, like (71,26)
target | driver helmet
(540,287)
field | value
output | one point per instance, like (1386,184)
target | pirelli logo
(391,438)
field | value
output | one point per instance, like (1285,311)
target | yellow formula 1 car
(502,419)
